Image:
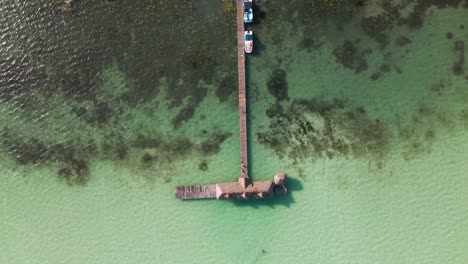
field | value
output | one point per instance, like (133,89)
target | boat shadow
(293,185)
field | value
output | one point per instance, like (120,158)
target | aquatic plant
(351,56)
(316,128)
(212,145)
(277,85)
(458,67)
(203,166)
(226,87)
(337,5)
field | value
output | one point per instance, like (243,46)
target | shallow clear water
(105,109)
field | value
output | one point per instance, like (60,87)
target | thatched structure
(242,189)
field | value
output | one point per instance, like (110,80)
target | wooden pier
(244,166)
(244,188)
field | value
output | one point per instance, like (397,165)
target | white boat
(248,40)
(248,11)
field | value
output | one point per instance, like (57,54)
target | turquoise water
(106,109)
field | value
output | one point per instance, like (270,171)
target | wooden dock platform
(244,167)
(195,192)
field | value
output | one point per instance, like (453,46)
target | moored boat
(248,40)
(248,11)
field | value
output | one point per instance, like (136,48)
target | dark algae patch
(458,67)
(415,19)
(310,44)
(378,26)
(203,166)
(159,149)
(376,75)
(185,113)
(402,41)
(383,69)
(316,128)
(278,85)
(98,115)
(162,150)
(226,87)
(351,57)
(212,145)
(76,173)
(425,124)
(114,147)
(72,160)
(464,117)
(438,88)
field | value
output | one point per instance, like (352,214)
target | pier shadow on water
(293,185)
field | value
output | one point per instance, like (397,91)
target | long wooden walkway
(242,94)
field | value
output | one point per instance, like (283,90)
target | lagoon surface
(106,106)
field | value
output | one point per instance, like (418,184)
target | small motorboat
(248,12)
(248,40)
